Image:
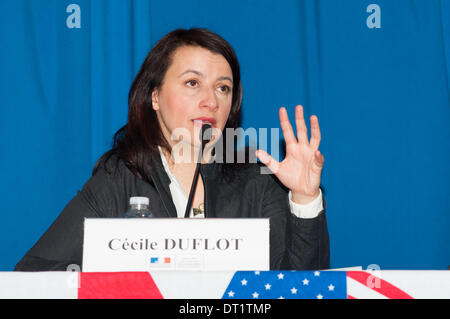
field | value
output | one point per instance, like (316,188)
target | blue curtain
(375,72)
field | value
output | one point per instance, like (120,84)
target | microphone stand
(203,140)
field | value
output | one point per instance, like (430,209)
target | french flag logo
(160,260)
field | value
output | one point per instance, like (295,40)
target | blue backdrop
(375,72)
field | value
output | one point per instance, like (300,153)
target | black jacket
(295,243)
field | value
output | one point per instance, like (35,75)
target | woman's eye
(191,83)
(224,89)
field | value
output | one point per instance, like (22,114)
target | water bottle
(139,208)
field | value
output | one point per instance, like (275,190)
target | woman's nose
(209,100)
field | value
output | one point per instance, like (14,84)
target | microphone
(205,137)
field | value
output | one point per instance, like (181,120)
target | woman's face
(196,89)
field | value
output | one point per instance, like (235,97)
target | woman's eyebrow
(225,78)
(201,74)
(191,71)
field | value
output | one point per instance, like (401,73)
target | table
(394,284)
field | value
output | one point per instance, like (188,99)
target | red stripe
(350,297)
(386,289)
(118,285)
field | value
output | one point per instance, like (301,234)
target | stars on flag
(287,284)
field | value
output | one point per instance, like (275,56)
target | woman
(192,77)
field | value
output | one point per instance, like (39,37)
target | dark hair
(139,139)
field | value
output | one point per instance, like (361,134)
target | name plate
(113,244)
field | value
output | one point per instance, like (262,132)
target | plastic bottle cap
(139,200)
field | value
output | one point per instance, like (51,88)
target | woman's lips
(204,120)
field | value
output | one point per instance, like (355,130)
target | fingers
(302,131)
(286,127)
(268,160)
(315,132)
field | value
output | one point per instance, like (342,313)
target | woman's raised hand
(300,171)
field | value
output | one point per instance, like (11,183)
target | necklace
(199,210)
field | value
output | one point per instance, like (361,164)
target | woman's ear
(155,104)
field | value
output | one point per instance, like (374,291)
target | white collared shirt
(180,199)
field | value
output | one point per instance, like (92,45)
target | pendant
(199,210)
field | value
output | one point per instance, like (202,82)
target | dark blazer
(295,243)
